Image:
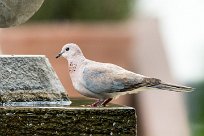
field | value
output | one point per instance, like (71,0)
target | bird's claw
(100,103)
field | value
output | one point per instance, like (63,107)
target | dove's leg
(101,102)
(106,101)
(98,102)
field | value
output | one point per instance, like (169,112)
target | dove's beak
(60,54)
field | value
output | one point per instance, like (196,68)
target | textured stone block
(15,12)
(29,80)
(64,121)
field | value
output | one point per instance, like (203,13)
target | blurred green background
(85,10)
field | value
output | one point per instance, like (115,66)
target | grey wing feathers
(110,79)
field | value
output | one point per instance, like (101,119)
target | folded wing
(109,78)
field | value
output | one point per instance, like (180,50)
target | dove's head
(70,51)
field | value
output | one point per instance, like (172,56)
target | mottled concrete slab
(15,12)
(63,121)
(29,80)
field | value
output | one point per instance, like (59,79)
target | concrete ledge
(63,121)
(29,80)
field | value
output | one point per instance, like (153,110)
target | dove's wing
(109,78)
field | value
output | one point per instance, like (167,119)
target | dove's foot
(100,103)
(97,103)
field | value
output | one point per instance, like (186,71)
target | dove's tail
(175,88)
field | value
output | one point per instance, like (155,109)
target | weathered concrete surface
(15,12)
(29,80)
(65,121)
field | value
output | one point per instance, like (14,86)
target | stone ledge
(67,121)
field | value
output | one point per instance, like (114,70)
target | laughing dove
(105,81)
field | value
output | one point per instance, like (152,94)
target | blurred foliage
(196,109)
(85,10)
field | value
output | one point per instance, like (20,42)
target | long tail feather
(176,88)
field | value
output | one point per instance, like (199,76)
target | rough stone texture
(15,12)
(65,121)
(29,80)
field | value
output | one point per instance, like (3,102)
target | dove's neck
(75,63)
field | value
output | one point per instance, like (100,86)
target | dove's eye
(67,49)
